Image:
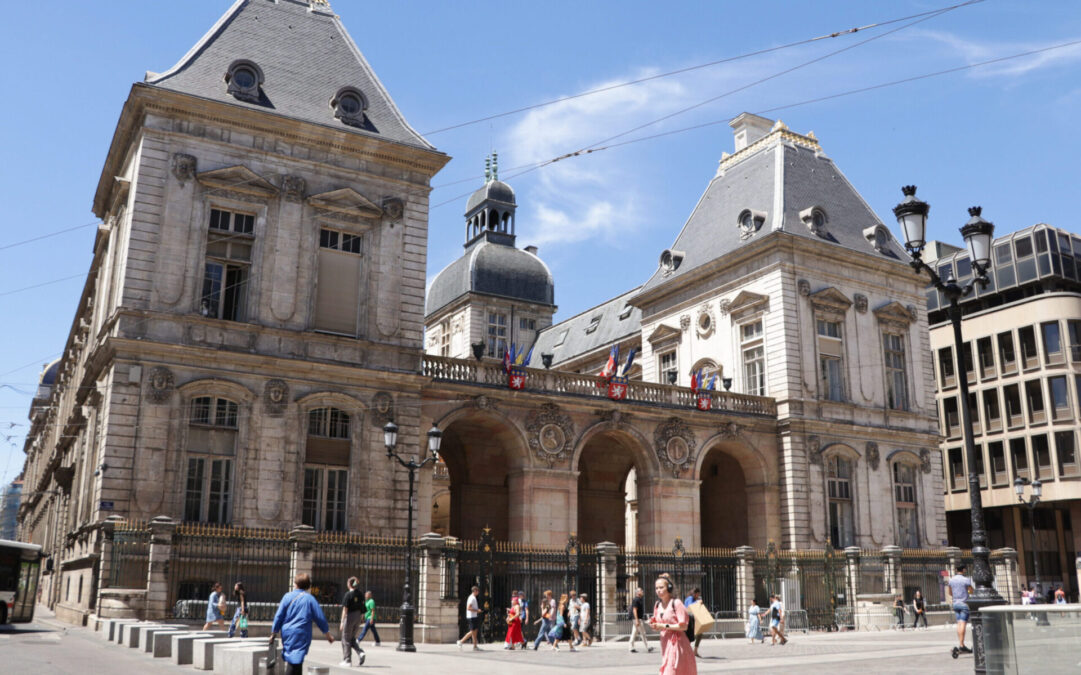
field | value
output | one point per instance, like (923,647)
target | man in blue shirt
(296,613)
(958,589)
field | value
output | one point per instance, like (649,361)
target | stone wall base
(121,603)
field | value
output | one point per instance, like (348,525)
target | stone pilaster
(744,578)
(607,590)
(437,617)
(1004,567)
(302,540)
(892,561)
(852,574)
(953,557)
(162,529)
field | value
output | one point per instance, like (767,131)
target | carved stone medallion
(275,397)
(293,188)
(382,409)
(183,167)
(550,433)
(925,460)
(872,455)
(159,384)
(674,443)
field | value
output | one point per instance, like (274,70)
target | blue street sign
(106,506)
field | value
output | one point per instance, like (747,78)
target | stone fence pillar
(953,558)
(1004,567)
(437,609)
(162,529)
(892,562)
(302,540)
(744,578)
(608,590)
(852,574)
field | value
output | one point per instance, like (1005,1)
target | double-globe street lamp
(390,439)
(912,217)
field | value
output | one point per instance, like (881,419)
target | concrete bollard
(240,660)
(183,647)
(202,653)
(146,637)
(162,643)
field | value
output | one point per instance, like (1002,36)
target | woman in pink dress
(670,618)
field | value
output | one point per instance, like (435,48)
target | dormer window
(244,79)
(878,237)
(671,260)
(349,105)
(750,221)
(594,324)
(815,219)
(627,309)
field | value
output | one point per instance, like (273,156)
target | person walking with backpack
(352,618)
(638,627)
(297,611)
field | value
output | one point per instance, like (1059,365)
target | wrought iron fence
(130,555)
(204,554)
(377,562)
(927,572)
(872,572)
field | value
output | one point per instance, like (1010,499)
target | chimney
(531,249)
(748,128)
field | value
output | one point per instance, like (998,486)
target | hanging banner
(617,388)
(704,399)
(516,378)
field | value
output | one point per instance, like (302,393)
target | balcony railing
(490,373)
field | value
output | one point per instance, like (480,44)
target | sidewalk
(883,653)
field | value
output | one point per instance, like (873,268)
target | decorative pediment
(346,202)
(895,313)
(663,334)
(830,300)
(237,179)
(747,302)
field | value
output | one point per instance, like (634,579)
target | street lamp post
(912,217)
(1037,491)
(390,440)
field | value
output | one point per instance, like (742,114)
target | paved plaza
(48,646)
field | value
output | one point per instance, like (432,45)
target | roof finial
(488,169)
(495,165)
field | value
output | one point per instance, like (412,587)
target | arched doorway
(723,501)
(480,452)
(609,468)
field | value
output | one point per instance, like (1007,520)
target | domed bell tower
(489,214)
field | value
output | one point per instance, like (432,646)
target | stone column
(437,618)
(302,539)
(608,590)
(852,574)
(744,578)
(892,558)
(953,558)
(162,529)
(105,562)
(1004,566)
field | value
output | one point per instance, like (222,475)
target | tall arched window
(904,501)
(841,511)
(212,431)
(326,469)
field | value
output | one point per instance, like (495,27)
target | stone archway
(482,451)
(610,464)
(723,501)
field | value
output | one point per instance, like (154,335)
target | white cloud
(975,52)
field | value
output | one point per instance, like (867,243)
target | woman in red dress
(670,618)
(514,625)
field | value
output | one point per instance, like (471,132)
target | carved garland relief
(550,433)
(674,443)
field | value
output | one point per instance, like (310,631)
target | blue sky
(1004,136)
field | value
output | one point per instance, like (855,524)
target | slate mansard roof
(747,180)
(615,321)
(306,57)
(491,266)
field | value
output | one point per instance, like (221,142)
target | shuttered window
(337,297)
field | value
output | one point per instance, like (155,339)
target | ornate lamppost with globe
(390,440)
(912,217)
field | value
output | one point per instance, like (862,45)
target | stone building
(1022,358)
(255,312)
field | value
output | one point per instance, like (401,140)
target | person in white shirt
(585,616)
(472,617)
(574,606)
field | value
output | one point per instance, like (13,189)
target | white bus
(20,568)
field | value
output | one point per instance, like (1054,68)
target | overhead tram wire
(819,99)
(46,236)
(680,71)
